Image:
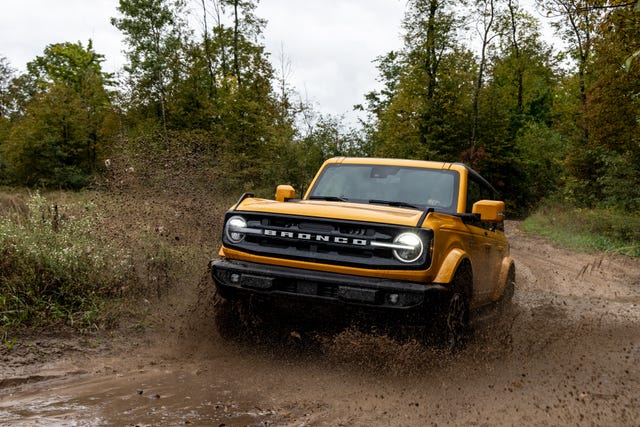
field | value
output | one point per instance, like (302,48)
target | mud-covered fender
(507,264)
(449,266)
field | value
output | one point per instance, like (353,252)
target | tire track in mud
(567,352)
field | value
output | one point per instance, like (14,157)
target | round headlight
(234,229)
(409,247)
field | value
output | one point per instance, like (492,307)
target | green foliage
(298,160)
(54,146)
(426,109)
(423,110)
(6,75)
(153,32)
(71,65)
(53,269)
(587,230)
(56,132)
(620,182)
(542,151)
(610,156)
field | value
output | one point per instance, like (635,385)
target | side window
(474,194)
(478,191)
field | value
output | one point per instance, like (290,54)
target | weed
(54,269)
(8,343)
(587,230)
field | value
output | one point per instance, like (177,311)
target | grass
(587,230)
(131,253)
(53,267)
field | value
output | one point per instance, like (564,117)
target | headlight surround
(235,228)
(408,247)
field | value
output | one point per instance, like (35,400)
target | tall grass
(54,268)
(587,230)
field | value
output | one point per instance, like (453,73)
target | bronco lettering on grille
(316,237)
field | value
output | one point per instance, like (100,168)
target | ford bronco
(420,239)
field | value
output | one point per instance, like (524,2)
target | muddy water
(568,353)
(150,396)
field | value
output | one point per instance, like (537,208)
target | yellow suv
(417,239)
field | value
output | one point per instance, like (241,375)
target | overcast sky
(330,44)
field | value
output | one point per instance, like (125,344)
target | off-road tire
(506,299)
(229,318)
(453,320)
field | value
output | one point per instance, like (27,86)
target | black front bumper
(240,278)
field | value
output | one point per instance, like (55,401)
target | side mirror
(284,192)
(489,210)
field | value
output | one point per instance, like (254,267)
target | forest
(474,82)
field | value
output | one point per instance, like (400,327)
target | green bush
(587,230)
(53,269)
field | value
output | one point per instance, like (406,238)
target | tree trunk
(479,81)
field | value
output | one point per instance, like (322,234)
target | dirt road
(567,354)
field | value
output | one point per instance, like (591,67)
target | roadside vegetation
(53,267)
(199,115)
(128,256)
(587,230)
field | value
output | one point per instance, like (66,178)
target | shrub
(588,230)
(53,268)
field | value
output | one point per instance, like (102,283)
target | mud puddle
(148,397)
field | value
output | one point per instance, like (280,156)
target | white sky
(330,44)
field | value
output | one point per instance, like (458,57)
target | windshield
(393,185)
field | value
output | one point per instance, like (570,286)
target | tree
(577,24)
(516,108)
(597,100)
(57,139)
(246,25)
(154,33)
(6,76)
(487,16)
(613,111)
(423,108)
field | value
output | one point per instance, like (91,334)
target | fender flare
(450,265)
(507,264)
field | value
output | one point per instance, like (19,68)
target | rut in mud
(567,353)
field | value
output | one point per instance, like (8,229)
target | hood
(338,210)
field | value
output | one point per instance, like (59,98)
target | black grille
(334,242)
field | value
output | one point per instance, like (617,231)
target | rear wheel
(504,303)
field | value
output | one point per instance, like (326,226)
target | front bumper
(240,278)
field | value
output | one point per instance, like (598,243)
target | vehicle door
(487,244)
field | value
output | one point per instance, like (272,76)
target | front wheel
(452,325)
(457,329)
(229,318)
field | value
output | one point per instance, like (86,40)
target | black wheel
(504,303)
(453,325)
(229,318)
(457,322)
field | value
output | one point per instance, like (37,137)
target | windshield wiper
(394,203)
(329,198)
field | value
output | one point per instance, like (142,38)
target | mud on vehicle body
(416,241)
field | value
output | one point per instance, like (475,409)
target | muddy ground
(568,353)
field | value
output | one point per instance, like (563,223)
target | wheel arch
(455,260)
(507,266)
